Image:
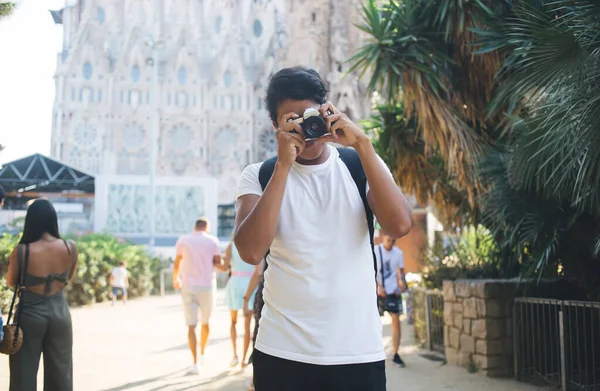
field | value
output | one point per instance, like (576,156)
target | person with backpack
(311,209)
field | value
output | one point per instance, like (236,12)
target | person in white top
(319,327)
(390,266)
(119,281)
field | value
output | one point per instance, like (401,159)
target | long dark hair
(40,219)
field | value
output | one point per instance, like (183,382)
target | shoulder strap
(71,253)
(381,260)
(264,176)
(25,267)
(266,172)
(17,287)
(67,246)
(352,161)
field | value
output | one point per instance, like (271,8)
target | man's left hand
(342,130)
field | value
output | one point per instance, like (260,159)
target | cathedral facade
(215,58)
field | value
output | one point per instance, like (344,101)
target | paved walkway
(142,346)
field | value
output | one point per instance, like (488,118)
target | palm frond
(7,8)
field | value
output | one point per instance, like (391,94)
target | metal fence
(428,314)
(559,342)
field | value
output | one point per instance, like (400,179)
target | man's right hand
(176,284)
(290,140)
(381,291)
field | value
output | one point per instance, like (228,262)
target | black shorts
(277,374)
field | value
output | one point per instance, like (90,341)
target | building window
(227,79)
(218,23)
(135,73)
(182,76)
(257,28)
(100,15)
(87,71)
(226,219)
(227,102)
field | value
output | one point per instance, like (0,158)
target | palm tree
(421,52)
(398,141)
(545,184)
(507,95)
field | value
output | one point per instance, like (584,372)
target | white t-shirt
(119,274)
(392,261)
(320,292)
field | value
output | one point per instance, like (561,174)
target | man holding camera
(311,209)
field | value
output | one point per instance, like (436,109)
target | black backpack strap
(264,176)
(381,262)
(352,161)
(266,172)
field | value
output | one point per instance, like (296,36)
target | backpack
(352,161)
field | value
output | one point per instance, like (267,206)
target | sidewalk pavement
(143,347)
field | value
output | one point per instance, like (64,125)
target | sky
(29,43)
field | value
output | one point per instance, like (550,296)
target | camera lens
(314,127)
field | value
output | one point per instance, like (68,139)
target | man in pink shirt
(197,255)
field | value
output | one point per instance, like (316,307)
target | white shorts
(194,299)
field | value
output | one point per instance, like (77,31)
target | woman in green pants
(43,263)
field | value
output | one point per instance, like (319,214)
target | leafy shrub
(98,255)
(7,243)
(473,254)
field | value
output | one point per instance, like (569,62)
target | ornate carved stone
(210,123)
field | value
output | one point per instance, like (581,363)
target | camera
(313,125)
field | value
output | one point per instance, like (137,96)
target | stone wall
(478,319)
(478,325)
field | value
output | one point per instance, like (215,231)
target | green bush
(7,243)
(472,255)
(98,255)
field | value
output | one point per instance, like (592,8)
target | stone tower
(215,59)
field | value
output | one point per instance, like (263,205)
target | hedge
(98,255)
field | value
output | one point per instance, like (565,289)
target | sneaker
(398,361)
(201,359)
(194,370)
(234,362)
